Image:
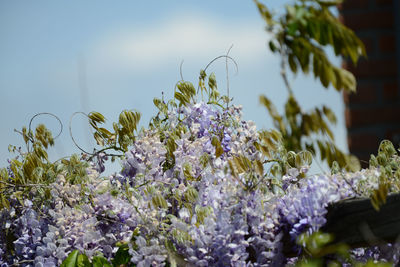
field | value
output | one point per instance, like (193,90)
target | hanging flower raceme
(200,187)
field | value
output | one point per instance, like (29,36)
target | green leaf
(272,46)
(99,139)
(99,261)
(347,79)
(25,134)
(104,132)
(191,194)
(378,197)
(187,171)
(278,120)
(335,168)
(265,13)
(186,88)
(212,81)
(303,158)
(259,167)
(232,168)
(183,99)
(276,170)
(83,261)
(387,148)
(292,28)
(96,117)
(122,256)
(159,201)
(291,158)
(292,63)
(218,148)
(71,260)
(203,75)
(329,114)
(329,3)
(373,263)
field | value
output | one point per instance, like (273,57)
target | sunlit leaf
(71,260)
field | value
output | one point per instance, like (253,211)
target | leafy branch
(117,140)
(300,36)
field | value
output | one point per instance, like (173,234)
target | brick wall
(373,113)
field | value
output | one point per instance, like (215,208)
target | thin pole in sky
(84,97)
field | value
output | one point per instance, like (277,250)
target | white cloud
(189,37)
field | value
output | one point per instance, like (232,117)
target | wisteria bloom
(199,192)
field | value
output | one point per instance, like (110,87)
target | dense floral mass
(200,187)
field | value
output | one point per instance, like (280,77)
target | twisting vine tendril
(223,56)
(50,114)
(227,73)
(70,131)
(29,134)
(180,70)
(95,152)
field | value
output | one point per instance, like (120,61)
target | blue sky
(63,57)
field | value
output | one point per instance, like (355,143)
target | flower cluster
(199,192)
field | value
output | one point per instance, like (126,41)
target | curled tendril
(72,137)
(95,153)
(180,70)
(223,56)
(30,126)
(50,114)
(227,71)
(227,57)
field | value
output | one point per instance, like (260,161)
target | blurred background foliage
(300,37)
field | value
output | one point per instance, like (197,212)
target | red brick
(346,97)
(370,20)
(391,91)
(374,68)
(369,44)
(394,136)
(354,4)
(387,43)
(370,116)
(364,157)
(340,17)
(364,94)
(347,118)
(363,142)
(384,2)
